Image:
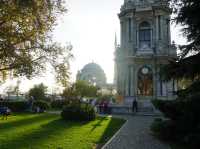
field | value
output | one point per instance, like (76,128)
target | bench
(5,111)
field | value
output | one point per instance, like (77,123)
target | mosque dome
(92,73)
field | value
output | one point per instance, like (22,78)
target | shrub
(164,129)
(78,112)
(59,104)
(44,105)
(183,124)
(172,109)
(15,106)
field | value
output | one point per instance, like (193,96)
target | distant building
(144,48)
(93,74)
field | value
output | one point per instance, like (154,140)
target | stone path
(135,134)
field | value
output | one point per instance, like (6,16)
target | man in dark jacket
(134,105)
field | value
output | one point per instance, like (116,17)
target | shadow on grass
(99,123)
(25,121)
(38,137)
(114,125)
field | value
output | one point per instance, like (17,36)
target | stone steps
(146,109)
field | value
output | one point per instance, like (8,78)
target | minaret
(115,41)
(115,66)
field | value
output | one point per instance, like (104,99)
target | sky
(90,26)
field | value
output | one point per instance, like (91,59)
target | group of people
(103,107)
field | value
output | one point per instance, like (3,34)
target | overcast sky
(90,26)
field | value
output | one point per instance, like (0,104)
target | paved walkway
(135,134)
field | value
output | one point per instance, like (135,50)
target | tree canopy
(26,45)
(80,89)
(183,114)
(38,92)
(187,64)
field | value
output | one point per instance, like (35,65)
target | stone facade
(144,48)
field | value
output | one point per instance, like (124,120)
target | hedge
(59,104)
(44,105)
(15,106)
(78,112)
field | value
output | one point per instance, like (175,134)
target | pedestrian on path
(134,105)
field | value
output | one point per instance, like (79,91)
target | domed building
(92,73)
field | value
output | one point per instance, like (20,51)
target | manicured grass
(49,131)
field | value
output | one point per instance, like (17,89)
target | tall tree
(25,37)
(187,65)
(38,92)
(80,89)
(182,125)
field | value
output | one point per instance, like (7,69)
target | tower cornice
(140,6)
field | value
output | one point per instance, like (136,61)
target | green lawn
(49,131)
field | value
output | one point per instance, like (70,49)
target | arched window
(145,82)
(144,35)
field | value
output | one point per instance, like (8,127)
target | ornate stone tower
(145,48)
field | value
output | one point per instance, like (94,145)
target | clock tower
(145,46)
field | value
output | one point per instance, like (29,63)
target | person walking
(134,105)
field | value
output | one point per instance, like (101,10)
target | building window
(145,35)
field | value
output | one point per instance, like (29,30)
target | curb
(108,142)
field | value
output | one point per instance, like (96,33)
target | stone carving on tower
(145,46)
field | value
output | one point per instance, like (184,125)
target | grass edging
(115,134)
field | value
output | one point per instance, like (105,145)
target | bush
(44,105)
(78,112)
(18,106)
(172,109)
(59,104)
(164,129)
(183,124)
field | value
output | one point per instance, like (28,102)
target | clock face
(145,70)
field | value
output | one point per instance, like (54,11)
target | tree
(85,89)
(38,92)
(26,46)
(69,93)
(183,113)
(187,65)
(80,89)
